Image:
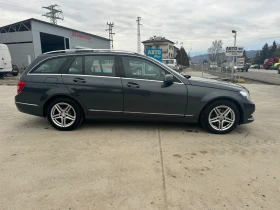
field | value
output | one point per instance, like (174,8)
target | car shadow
(136,125)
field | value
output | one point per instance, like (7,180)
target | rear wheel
(64,114)
(220,117)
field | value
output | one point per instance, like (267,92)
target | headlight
(245,94)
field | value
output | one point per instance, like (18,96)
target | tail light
(20,86)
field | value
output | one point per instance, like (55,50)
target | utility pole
(110,29)
(138,35)
(54,14)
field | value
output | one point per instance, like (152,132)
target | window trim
(123,74)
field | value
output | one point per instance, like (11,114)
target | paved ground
(140,165)
(267,76)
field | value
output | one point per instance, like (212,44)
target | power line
(54,14)
(138,35)
(110,29)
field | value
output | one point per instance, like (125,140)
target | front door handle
(79,80)
(132,85)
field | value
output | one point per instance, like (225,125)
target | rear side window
(76,66)
(51,66)
(100,65)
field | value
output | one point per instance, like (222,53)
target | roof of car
(74,51)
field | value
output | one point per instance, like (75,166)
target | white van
(172,63)
(5,59)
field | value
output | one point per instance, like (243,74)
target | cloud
(196,23)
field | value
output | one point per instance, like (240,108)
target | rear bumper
(248,115)
(32,109)
(6,70)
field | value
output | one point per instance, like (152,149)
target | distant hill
(200,58)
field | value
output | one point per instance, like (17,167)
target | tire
(229,122)
(60,118)
(15,74)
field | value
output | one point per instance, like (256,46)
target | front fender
(199,97)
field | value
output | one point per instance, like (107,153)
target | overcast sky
(196,23)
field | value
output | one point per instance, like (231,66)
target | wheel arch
(241,112)
(49,100)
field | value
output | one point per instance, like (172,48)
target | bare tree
(215,51)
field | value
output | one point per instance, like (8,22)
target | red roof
(163,39)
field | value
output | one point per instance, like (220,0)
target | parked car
(5,60)
(246,67)
(63,87)
(172,63)
(255,66)
(15,70)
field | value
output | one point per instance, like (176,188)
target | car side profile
(69,86)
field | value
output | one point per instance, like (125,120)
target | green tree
(273,50)
(182,57)
(257,59)
(264,54)
(277,54)
(245,56)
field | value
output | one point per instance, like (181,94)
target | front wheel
(64,114)
(220,117)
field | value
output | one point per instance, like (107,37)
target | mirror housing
(168,79)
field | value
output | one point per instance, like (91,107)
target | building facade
(166,45)
(30,38)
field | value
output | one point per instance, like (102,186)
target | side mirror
(168,79)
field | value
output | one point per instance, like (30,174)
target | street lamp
(233,60)
(235,35)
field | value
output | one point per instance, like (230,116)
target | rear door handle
(79,80)
(132,85)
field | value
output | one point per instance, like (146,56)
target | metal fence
(224,72)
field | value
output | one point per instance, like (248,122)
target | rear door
(145,93)
(93,78)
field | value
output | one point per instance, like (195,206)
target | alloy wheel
(63,114)
(221,118)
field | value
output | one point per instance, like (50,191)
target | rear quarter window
(50,66)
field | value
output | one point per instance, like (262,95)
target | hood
(213,83)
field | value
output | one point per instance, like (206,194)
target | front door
(92,79)
(145,94)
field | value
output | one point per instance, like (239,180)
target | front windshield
(266,60)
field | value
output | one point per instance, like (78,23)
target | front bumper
(248,114)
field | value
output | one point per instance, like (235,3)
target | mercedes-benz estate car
(69,86)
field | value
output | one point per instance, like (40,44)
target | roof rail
(87,50)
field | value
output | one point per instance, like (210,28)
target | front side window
(100,65)
(51,66)
(142,69)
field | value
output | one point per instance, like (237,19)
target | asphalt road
(266,76)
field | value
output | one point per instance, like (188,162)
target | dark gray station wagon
(71,85)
